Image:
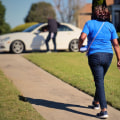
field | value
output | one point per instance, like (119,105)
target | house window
(117,1)
(117,18)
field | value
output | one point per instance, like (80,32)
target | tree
(2,13)
(96,3)
(4,27)
(39,12)
(68,9)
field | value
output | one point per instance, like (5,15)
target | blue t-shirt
(102,43)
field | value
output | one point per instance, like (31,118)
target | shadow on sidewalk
(58,105)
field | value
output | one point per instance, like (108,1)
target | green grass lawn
(11,108)
(73,69)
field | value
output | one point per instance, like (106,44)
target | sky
(17,10)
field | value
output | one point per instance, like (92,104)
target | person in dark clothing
(52,28)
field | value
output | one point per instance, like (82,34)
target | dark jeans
(48,39)
(99,64)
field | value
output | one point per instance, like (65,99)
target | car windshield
(32,27)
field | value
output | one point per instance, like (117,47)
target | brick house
(114,5)
(85,15)
(115,8)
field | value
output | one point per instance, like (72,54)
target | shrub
(23,27)
(4,28)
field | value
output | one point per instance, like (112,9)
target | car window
(64,28)
(44,28)
(32,27)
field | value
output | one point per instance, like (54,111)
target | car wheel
(73,46)
(17,47)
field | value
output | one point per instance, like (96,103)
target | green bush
(23,27)
(4,28)
(119,37)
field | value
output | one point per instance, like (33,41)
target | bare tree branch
(68,9)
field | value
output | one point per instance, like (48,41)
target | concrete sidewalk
(52,98)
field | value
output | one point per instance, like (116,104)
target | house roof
(86,9)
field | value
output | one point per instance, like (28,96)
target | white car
(33,38)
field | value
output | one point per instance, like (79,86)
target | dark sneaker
(95,106)
(102,115)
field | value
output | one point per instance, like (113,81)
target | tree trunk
(96,3)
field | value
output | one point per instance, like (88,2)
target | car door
(64,37)
(40,37)
(43,33)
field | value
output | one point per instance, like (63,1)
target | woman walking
(101,33)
